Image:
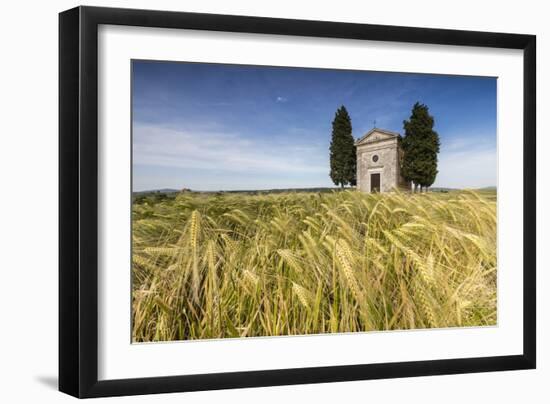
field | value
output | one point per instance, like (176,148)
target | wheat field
(248,265)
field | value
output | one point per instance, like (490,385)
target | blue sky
(229,127)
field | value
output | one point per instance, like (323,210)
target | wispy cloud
(217,159)
(281,99)
(467,163)
(225,151)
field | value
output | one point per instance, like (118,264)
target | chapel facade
(379,158)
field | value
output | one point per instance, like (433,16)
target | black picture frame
(78,201)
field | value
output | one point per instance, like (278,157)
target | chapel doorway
(375,182)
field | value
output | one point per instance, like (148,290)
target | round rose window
(375,158)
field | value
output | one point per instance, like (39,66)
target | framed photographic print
(251,201)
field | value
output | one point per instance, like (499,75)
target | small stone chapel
(379,162)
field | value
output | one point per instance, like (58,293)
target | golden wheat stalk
(343,256)
(303,294)
(194,224)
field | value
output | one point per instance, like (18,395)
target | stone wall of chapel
(387,165)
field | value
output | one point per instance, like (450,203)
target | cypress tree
(420,146)
(343,160)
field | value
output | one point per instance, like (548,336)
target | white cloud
(166,147)
(212,158)
(281,99)
(467,163)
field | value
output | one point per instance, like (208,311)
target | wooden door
(375,182)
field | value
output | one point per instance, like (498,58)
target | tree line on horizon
(420,145)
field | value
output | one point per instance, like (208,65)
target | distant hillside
(169,191)
(245,191)
(159,195)
(158,191)
(275,190)
(443,189)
